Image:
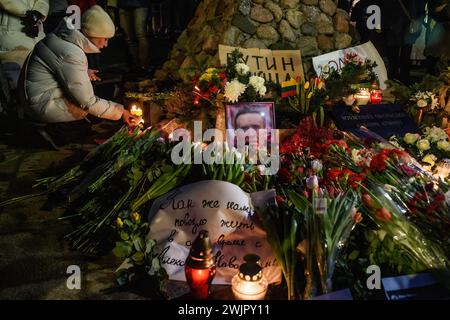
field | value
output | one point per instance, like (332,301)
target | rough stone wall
(313,26)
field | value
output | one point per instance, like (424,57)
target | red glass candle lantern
(199,267)
(376,96)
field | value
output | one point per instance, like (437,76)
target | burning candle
(376,96)
(137,112)
(362,96)
(199,267)
(250,283)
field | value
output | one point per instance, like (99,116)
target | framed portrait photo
(247,118)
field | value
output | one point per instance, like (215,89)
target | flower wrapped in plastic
(328,222)
(390,217)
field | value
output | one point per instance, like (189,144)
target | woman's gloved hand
(31,23)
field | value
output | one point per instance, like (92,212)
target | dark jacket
(439,43)
(396,22)
(133,3)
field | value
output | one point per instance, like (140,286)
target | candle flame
(136,111)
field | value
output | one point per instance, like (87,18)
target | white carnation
(258,84)
(242,69)
(233,90)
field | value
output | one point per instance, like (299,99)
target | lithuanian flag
(289,88)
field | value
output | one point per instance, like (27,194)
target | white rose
(242,69)
(411,138)
(430,159)
(422,103)
(443,145)
(316,165)
(233,90)
(423,145)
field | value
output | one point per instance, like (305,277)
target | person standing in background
(21,27)
(56,13)
(402,21)
(360,17)
(345,5)
(438,45)
(133,20)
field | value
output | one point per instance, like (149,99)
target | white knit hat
(97,23)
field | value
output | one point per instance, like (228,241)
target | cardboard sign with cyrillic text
(272,65)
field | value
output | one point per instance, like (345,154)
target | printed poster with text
(227,213)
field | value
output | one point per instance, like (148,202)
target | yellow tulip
(306,86)
(119,223)
(136,217)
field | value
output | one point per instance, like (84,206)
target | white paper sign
(272,65)
(367,50)
(226,212)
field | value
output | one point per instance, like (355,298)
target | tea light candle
(250,283)
(362,97)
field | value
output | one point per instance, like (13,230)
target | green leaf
(123,249)
(124,235)
(138,242)
(149,246)
(354,255)
(138,257)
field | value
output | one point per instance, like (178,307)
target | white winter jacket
(57,83)
(11,12)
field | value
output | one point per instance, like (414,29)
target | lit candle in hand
(137,112)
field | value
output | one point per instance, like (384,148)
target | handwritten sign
(365,51)
(226,212)
(272,65)
(383,119)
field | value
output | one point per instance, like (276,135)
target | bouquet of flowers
(310,99)
(327,223)
(423,99)
(355,74)
(241,84)
(430,148)
(209,84)
(389,217)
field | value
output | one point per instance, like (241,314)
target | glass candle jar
(250,283)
